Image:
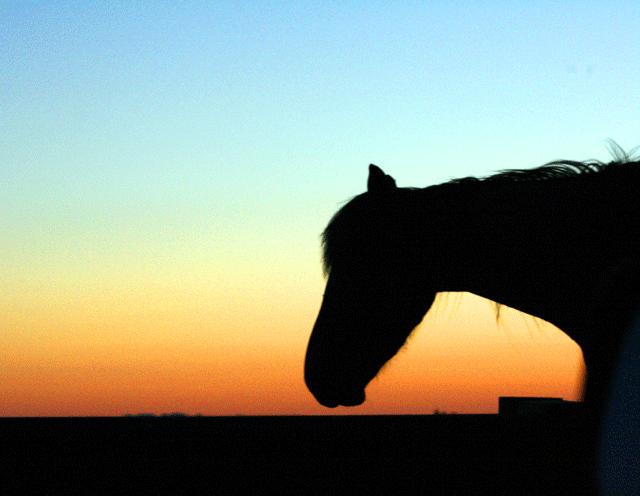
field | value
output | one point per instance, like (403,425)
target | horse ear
(379,183)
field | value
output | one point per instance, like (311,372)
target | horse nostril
(318,392)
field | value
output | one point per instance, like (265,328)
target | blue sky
(256,119)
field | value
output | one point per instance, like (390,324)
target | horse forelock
(335,235)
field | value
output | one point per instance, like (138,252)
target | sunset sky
(166,170)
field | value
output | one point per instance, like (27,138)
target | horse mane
(356,209)
(549,171)
(557,169)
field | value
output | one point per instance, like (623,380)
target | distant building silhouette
(511,406)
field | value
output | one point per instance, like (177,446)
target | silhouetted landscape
(409,454)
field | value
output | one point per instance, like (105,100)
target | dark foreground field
(441,454)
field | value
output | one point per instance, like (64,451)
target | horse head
(374,297)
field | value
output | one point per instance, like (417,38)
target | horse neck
(537,247)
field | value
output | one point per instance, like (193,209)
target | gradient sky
(166,169)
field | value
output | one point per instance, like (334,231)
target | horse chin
(344,400)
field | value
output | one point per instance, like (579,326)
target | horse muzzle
(332,402)
(333,395)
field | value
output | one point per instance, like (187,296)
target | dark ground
(434,454)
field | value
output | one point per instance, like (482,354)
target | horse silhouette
(560,242)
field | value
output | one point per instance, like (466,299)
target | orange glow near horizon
(108,354)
